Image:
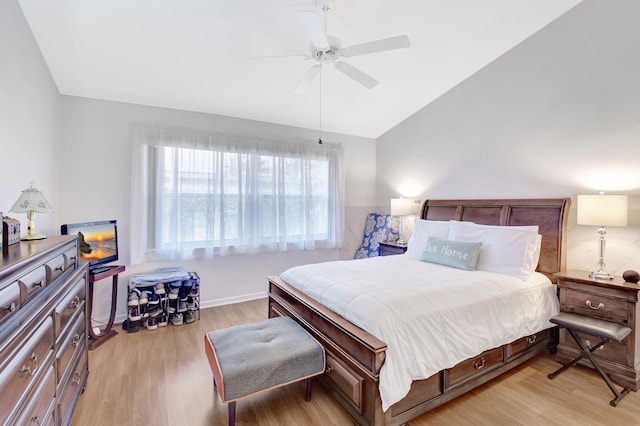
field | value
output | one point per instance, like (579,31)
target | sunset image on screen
(96,242)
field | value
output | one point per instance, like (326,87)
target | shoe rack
(168,296)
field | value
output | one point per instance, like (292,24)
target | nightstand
(389,248)
(611,300)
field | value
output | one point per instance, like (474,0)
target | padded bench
(605,330)
(251,358)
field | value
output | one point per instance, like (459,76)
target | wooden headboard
(549,214)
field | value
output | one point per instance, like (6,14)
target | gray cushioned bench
(605,330)
(251,358)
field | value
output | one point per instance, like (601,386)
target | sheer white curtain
(198,194)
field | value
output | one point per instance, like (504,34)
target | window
(202,194)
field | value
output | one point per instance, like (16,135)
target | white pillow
(422,230)
(509,250)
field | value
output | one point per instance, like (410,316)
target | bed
(356,358)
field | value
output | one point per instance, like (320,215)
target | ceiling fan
(325,52)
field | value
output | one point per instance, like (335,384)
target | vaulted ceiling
(244,58)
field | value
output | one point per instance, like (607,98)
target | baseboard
(120,318)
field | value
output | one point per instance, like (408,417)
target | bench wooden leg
(308,383)
(232,413)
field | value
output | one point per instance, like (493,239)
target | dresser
(611,300)
(43,331)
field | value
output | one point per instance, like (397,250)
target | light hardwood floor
(162,377)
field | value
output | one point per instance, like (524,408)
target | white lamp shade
(603,210)
(31,199)
(401,206)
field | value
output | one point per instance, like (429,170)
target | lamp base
(33,236)
(600,276)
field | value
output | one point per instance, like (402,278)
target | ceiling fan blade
(359,76)
(307,80)
(314,24)
(392,43)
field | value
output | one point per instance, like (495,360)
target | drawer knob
(25,370)
(479,366)
(531,339)
(76,340)
(36,420)
(595,308)
(329,369)
(11,307)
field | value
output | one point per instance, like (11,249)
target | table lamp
(31,201)
(602,210)
(401,207)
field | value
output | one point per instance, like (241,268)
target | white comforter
(431,317)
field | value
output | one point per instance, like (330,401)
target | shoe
(171,308)
(189,317)
(144,298)
(132,326)
(176,319)
(174,289)
(191,304)
(184,295)
(150,323)
(159,289)
(194,291)
(134,314)
(154,299)
(162,321)
(134,299)
(182,306)
(154,312)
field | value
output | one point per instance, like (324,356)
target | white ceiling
(202,55)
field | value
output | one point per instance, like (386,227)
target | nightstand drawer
(612,351)
(596,306)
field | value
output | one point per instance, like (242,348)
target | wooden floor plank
(162,377)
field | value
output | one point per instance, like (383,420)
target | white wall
(557,116)
(28,117)
(95,171)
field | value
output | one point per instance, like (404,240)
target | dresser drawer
(71,391)
(40,409)
(75,342)
(595,305)
(9,301)
(472,366)
(346,379)
(32,282)
(70,258)
(526,343)
(54,268)
(73,302)
(23,368)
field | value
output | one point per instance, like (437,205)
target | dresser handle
(600,305)
(27,370)
(38,283)
(11,307)
(75,302)
(76,378)
(76,340)
(36,419)
(59,268)
(329,369)
(531,339)
(479,366)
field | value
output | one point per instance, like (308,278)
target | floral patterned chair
(377,228)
